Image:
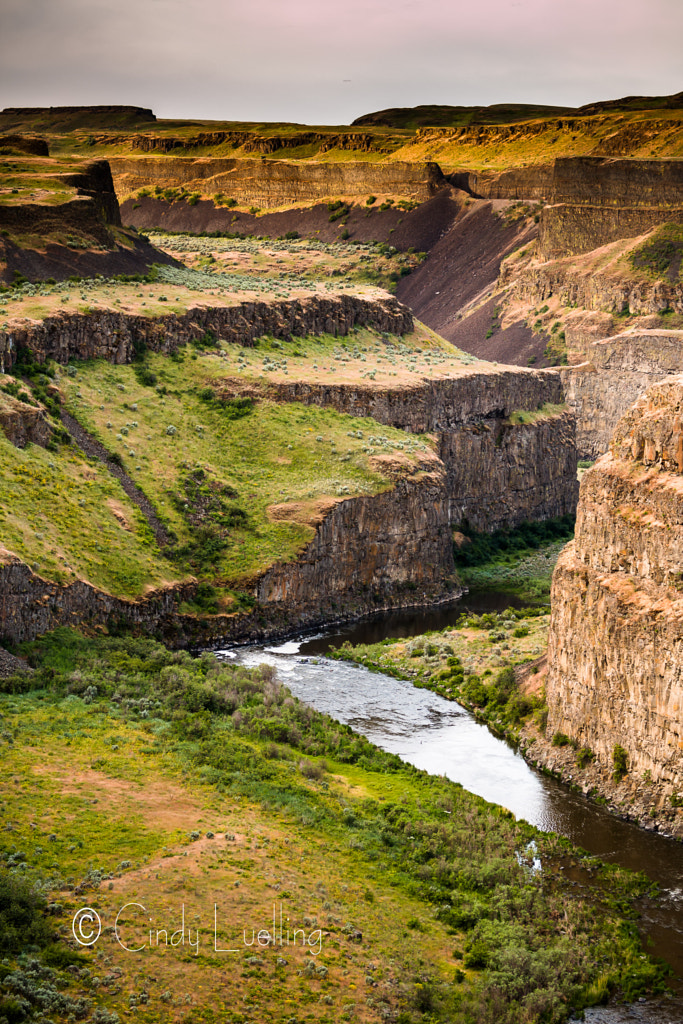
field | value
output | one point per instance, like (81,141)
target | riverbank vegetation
(518,561)
(476,662)
(140,774)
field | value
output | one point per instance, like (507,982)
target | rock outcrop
(271,183)
(23,424)
(391,549)
(498,472)
(615,656)
(616,371)
(117,336)
(599,200)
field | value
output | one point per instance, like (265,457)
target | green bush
(23,915)
(620,762)
(560,739)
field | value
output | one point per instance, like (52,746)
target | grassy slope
(69,518)
(276,454)
(125,756)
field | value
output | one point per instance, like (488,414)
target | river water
(443,738)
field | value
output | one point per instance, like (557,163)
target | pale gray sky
(329,61)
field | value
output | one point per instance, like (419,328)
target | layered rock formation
(596,201)
(23,424)
(616,371)
(498,472)
(117,336)
(271,183)
(392,549)
(615,655)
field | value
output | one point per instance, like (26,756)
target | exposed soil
(462,268)
(60,262)
(420,228)
(515,346)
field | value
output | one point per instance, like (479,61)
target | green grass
(660,256)
(528,575)
(519,561)
(277,454)
(522,416)
(110,738)
(57,514)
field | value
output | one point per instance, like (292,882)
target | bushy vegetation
(486,547)
(526,948)
(519,561)
(472,662)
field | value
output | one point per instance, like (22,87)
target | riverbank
(212,779)
(494,666)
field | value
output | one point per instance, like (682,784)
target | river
(443,738)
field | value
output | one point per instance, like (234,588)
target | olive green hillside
(214,800)
(212,469)
(476,137)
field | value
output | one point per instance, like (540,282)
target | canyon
(537,235)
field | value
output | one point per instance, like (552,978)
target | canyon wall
(498,472)
(583,285)
(616,371)
(271,183)
(615,649)
(597,200)
(390,550)
(116,336)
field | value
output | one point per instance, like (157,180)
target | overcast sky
(329,61)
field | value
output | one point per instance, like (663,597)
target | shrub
(370,200)
(620,762)
(584,756)
(560,739)
(23,915)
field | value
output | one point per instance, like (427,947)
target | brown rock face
(23,424)
(615,651)
(113,336)
(269,183)
(598,200)
(616,372)
(389,550)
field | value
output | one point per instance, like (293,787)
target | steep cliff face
(114,336)
(23,424)
(498,472)
(596,201)
(615,651)
(616,371)
(390,550)
(501,474)
(270,183)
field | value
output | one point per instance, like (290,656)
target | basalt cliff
(615,656)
